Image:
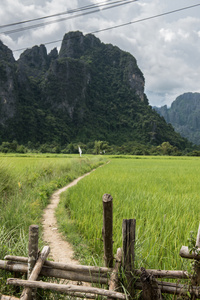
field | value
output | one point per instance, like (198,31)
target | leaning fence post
(107,230)
(26,294)
(32,252)
(128,236)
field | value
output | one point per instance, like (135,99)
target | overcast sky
(167,48)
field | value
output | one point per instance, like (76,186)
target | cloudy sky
(167,48)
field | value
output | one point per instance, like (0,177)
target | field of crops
(26,183)
(161,193)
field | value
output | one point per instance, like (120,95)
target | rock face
(8,84)
(88,91)
(184,115)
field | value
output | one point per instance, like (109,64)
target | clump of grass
(7,183)
(13,242)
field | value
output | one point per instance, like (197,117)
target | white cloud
(167,48)
(167,34)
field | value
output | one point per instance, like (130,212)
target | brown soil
(60,249)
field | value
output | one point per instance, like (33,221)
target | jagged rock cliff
(8,84)
(87,91)
(184,115)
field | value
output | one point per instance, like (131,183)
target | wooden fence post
(32,252)
(128,235)
(196,266)
(150,288)
(107,230)
(114,277)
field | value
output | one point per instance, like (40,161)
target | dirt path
(60,249)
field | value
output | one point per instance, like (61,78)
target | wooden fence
(152,283)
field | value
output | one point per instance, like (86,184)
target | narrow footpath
(60,249)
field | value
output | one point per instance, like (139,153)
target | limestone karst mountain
(88,91)
(184,115)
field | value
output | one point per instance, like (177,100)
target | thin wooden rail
(62,266)
(4,297)
(65,288)
(58,273)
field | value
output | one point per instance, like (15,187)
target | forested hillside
(88,91)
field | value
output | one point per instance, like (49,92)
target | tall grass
(26,184)
(161,193)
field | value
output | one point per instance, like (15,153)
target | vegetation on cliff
(88,91)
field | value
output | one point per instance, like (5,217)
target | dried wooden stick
(67,267)
(63,288)
(51,272)
(184,252)
(165,273)
(4,297)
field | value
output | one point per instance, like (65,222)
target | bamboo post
(26,294)
(107,230)
(128,236)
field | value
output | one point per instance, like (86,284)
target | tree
(167,149)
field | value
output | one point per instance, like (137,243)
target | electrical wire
(145,19)
(124,24)
(67,18)
(86,7)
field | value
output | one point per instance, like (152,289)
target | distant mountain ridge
(88,91)
(184,115)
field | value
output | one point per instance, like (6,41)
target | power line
(145,19)
(91,6)
(124,24)
(119,3)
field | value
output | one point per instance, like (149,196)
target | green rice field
(161,193)
(26,184)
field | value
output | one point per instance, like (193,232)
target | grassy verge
(26,183)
